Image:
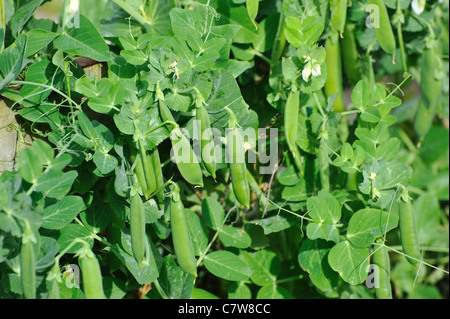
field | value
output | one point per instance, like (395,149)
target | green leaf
(427,217)
(275,224)
(158,13)
(289,177)
(391,175)
(149,270)
(313,258)
(351,262)
(435,144)
(178,102)
(239,290)
(199,232)
(213,213)
(55,184)
(97,216)
(227,265)
(235,15)
(63,212)
(105,163)
(38,39)
(71,232)
(361,95)
(153,259)
(198,293)
(234,237)
(206,60)
(303,31)
(252,9)
(134,57)
(325,211)
(83,40)
(12,61)
(111,94)
(265,266)
(189,21)
(29,165)
(41,72)
(23,14)
(273,292)
(175,283)
(368,224)
(44,151)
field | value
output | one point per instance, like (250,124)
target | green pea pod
(279,43)
(338,14)
(137,228)
(382,261)
(334,84)
(207,141)
(408,233)
(54,277)
(159,177)
(236,159)
(181,237)
(350,55)
(431,87)
(255,187)
(140,175)
(27,265)
(182,153)
(383,31)
(324,165)
(430,84)
(291,119)
(147,167)
(91,274)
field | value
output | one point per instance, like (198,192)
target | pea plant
(241,149)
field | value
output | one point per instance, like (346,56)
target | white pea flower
(316,71)
(418,6)
(306,73)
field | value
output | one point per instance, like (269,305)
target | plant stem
(47,87)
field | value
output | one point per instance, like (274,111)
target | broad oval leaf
(265,266)
(213,213)
(368,224)
(227,265)
(350,262)
(313,258)
(62,213)
(84,41)
(234,237)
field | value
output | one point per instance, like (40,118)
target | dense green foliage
(355,207)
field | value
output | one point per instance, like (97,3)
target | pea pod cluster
(145,171)
(183,154)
